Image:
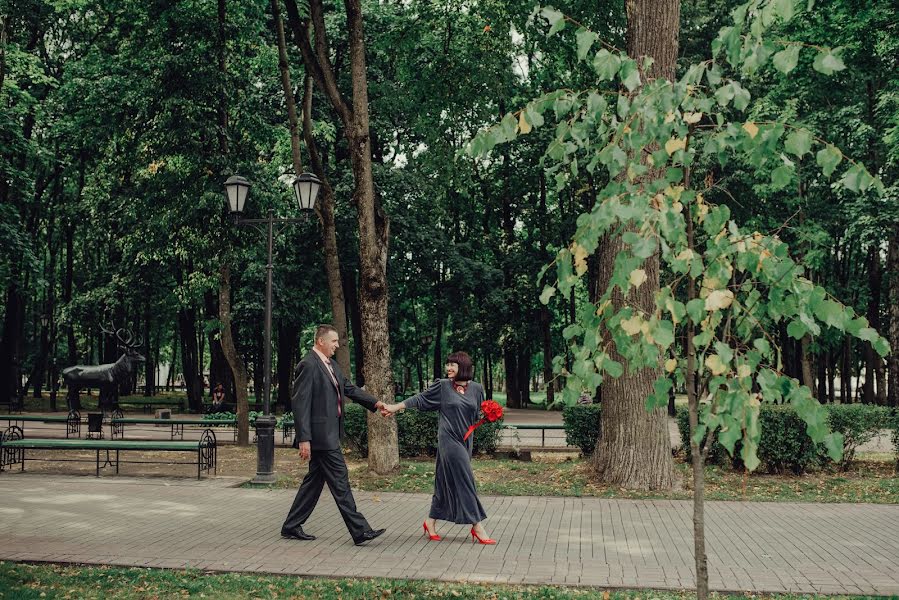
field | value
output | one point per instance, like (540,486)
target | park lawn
(870,480)
(36,581)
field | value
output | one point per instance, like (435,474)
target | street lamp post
(305,188)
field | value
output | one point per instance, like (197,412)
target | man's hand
(305,450)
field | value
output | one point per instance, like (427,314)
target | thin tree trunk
(237,365)
(329,236)
(352,301)
(871,358)
(287,343)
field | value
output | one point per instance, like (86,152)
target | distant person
(218,399)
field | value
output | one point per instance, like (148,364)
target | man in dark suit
(318,390)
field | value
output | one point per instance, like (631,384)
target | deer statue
(105,377)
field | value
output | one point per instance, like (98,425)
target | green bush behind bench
(581,426)
(785,445)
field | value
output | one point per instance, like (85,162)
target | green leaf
(785,9)
(828,62)
(796,330)
(556,19)
(548,293)
(882,346)
(606,64)
(585,39)
(696,310)
(630,75)
(613,368)
(786,60)
(834,443)
(799,142)
(828,158)
(781,176)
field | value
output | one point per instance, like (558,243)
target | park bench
(72,421)
(117,425)
(13,446)
(148,402)
(543,427)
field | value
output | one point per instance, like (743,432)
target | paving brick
(175,523)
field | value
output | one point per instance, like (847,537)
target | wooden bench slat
(51,443)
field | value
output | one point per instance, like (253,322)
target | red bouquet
(491,411)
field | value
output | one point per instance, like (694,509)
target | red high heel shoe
(485,541)
(431,536)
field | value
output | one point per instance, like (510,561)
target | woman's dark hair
(466,370)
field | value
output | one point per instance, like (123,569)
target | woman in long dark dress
(458,399)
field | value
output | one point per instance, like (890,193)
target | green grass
(27,581)
(866,481)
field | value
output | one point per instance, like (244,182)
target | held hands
(388,410)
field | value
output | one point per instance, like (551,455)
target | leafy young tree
(648,135)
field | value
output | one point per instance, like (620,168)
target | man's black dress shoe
(368,536)
(297,534)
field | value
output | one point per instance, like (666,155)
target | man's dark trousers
(327,466)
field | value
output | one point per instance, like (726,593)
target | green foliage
(644,143)
(785,444)
(355,426)
(858,423)
(582,426)
(230,415)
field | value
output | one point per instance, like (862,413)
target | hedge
(581,426)
(785,445)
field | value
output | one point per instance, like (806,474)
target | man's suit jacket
(315,401)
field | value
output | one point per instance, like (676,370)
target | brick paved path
(827,548)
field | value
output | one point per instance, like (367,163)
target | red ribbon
(472,428)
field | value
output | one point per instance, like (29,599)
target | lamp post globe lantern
(236,190)
(305,190)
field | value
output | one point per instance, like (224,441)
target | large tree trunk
(237,367)
(187,328)
(634,450)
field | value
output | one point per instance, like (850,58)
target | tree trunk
(872,359)
(808,377)
(893,334)
(352,301)
(545,315)
(219,369)
(287,343)
(634,450)
(237,367)
(187,328)
(374,225)
(510,368)
(329,236)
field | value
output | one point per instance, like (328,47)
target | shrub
(582,426)
(717,453)
(784,443)
(355,425)
(486,437)
(417,432)
(858,423)
(232,415)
